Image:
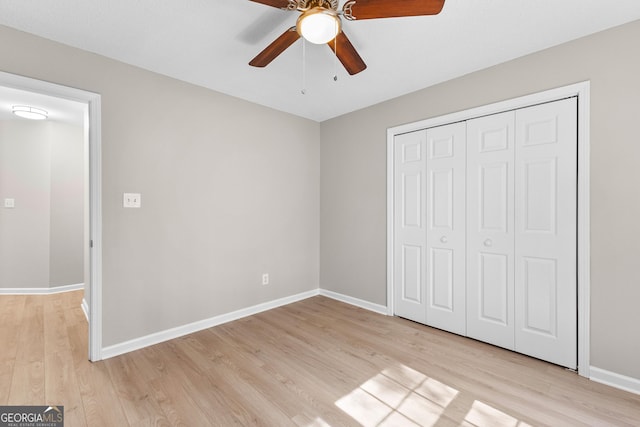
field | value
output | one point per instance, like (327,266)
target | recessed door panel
(494,184)
(412,274)
(409,225)
(442,279)
(540,296)
(494,282)
(446,307)
(441,146)
(412,151)
(542,131)
(493,137)
(412,199)
(441,200)
(540,198)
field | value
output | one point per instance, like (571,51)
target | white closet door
(446,268)
(409,224)
(545,257)
(490,232)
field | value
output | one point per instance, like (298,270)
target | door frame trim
(582,91)
(93,134)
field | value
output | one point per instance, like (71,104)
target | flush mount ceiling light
(318,25)
(27,112)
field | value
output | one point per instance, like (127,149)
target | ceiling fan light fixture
(31,113)
(319,25)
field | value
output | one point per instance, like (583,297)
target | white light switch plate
(10,203)
(131,200)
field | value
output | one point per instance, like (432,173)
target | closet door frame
(582,92)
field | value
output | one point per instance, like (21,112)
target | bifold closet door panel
(409,246)
(490,229)
(445,222)
(545,250)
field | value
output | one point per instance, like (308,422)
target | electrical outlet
(131,200)
(9,203)
(265,279)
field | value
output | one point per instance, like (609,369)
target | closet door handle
(443,239)
(488,242)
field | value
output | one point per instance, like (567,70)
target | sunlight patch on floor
(398,396)
(317,422)
(402,396)
(482,414)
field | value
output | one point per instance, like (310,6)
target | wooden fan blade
(278,46)
(347,54)
(280,4)
(372,9)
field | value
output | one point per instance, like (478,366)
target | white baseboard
(41,291)
(622,382)
(85,308)
(381,309)
(169,334)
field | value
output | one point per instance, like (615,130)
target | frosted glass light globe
(318,25)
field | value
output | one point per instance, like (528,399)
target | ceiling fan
(320,23)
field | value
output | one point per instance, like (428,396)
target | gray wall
(41,239)
(25,175)
(353,197)
(230,190)
(66,265)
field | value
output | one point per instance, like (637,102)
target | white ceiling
(210,42)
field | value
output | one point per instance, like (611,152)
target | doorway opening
(92,252)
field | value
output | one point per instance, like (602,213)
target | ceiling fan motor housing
(304,5)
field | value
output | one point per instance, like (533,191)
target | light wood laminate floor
(317,362)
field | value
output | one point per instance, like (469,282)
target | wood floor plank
(71,300)
(72,305)
(74,316)
(11,317)
(27,384)
(55,328)
(176,403)
(100,399)
(5,387)
(11,309)
(133,392)
(265,378)
(211,397)
(296,381)
(77,336)
(317,362)
(257,408)
(61,387)
(8,348)
(31,331)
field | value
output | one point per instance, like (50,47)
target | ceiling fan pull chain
(304,68)
(335,59)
